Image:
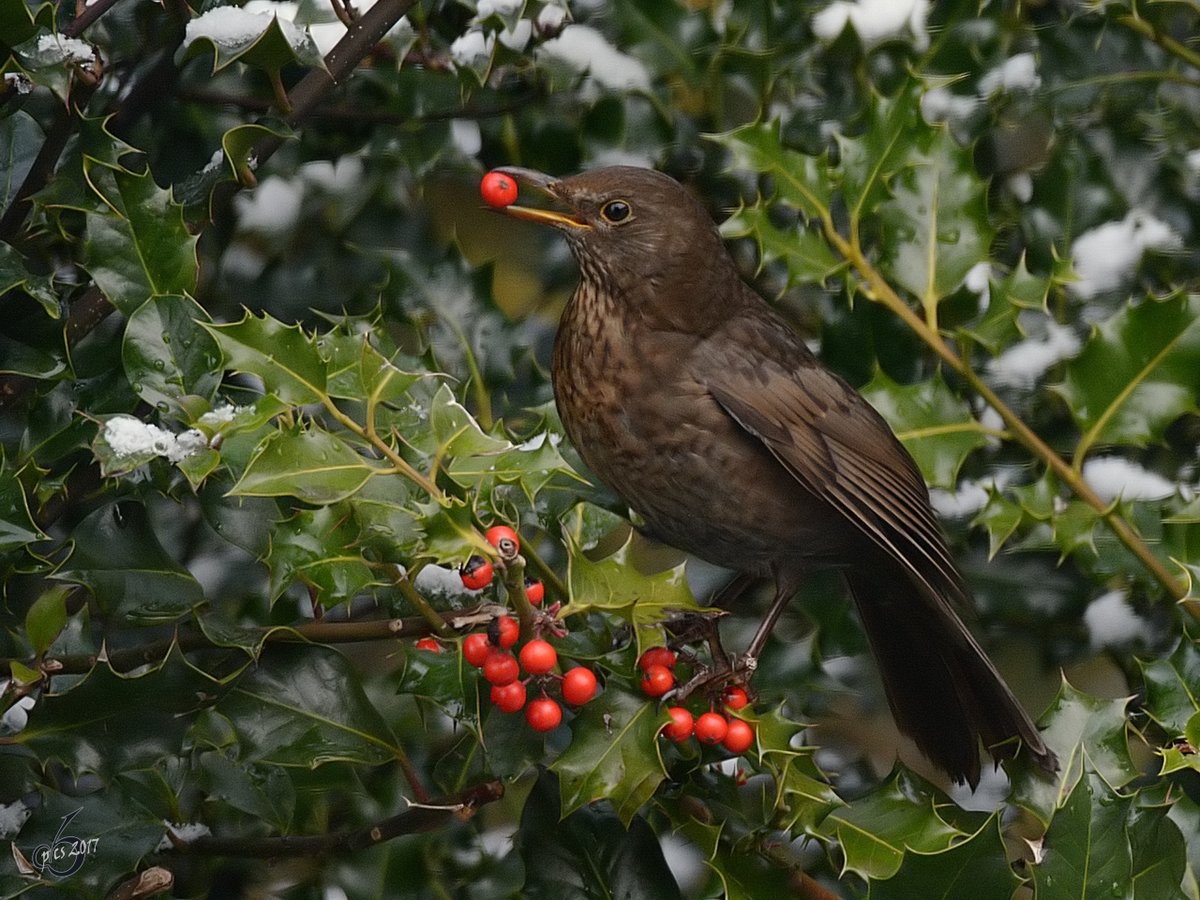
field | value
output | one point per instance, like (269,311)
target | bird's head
(629,226)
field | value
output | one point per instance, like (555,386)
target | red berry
(498,189)
(679,729)
(508,697)
(535,591)
(476,573)
(538,657)
(500,667)
(657,680)
(543,714)
(711,728)
(504,631)
(739,737)
(475,648)
(578,686)
(657,656)
(504,539)
(428,643)
(736,697)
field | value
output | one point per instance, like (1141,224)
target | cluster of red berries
(712,727)
(477,572)
(491,652)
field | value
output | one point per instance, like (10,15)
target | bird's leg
(727,669)
(732,591)
(785,588)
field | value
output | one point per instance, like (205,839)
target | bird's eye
(615,211)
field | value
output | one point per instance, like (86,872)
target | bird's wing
(841,450)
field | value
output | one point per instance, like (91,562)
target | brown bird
(689,396)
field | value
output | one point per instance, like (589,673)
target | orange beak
(547,185)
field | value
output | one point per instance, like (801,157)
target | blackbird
(693,400)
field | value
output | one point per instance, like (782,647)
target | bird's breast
(636,407)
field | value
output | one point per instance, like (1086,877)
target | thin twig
(418,818)
(192,639)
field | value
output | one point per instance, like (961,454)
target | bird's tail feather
(943,690)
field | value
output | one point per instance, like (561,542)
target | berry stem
(554,585)
(514,584)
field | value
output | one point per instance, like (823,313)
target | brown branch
(87,16)
(414,820)
(360,38)
(343,113)
(192,640)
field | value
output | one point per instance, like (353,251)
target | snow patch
(1105,256)
(127,436)
(1114,476)
(12,817)
(965,501)
(875,21)
(551,17)
(466,136)
(472,46)
(586,50)
(229,25)
(272,208)
(68,49)
(1112,622)
(502,8)
(1022,364)
(185,833)
(1017,73)
(440,581)
(943,105)
(16,717)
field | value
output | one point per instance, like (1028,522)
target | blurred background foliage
(260,233)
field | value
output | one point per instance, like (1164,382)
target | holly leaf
(82,844)
(137,245)
(589,853)
(17,528)
(801,181)
(262,40)
(1172,686)
(1138,373)
(46,618)
(357,371)
(877,830)
(976,867)
(1020,290)
(167,355)
(805,253)
(318,548)
(934,425)
(613,755)
(1159,855)
(262,791)
(283,356)
(934,226)
(305,706)
(311,464)
(1086,849)
(1088,734)
(118,558)
(803,796)
(616,584)
(455,431)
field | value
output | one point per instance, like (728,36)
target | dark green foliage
(267,371)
